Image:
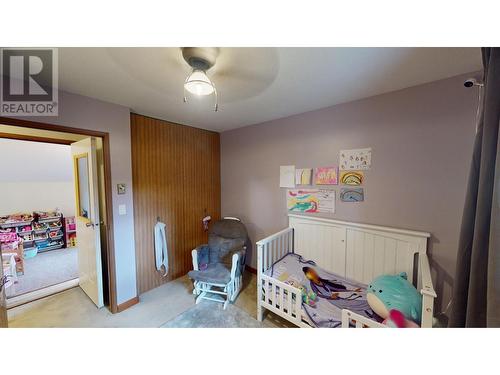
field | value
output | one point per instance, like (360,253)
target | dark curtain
(476,291)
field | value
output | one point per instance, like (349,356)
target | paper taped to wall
(303,176)
(311,200)
(287,176)
(326,176)
(352,195)
(355,159)
(351,177)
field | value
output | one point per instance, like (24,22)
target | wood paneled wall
(176,176)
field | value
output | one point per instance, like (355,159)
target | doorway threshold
(41,293)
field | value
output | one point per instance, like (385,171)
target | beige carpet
(208,314)
(73,308)
(46,269)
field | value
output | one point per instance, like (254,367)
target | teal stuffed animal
(394,292)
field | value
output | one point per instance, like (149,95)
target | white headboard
(357,251)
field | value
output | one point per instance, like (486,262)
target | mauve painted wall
(422,144)
(88,113)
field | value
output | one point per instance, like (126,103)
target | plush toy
(396,319)
(309,298)
(394,292)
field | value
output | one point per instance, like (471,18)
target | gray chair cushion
(216,273)
(228,228)
(221,249)
(203,252)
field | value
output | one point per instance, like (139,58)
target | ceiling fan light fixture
(198,83)
(200,59)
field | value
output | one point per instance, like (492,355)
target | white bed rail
(427,291)
(359,321)
(273,248)
(272,294)
(282,299)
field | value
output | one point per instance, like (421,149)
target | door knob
(88,225)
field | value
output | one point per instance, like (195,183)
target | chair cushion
(203,254)
(216,273)
(228,228)
(221,249)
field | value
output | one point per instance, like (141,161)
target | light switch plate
(122,209)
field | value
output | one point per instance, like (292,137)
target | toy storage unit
(48,231)
(70,228)
(38,232)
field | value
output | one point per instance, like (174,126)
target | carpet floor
(46,269)
(158,307)
(209,314)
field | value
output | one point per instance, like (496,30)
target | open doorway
(62,230)
(37,217)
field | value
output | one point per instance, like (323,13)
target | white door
(87,219)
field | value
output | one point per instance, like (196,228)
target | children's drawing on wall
(303,176)
(326,176)
(351,177)
(352,195)
(287,176)
(311,200)
(356,159)
(326,201)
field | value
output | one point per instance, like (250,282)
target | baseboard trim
(41,293)
(125,305)
(251,270)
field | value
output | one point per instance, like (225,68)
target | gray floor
(208,314)
(46,269)
(156,308)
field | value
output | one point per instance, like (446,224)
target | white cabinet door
(87,219)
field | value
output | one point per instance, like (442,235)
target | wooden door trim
(110,248)
(125,305)
(32,138)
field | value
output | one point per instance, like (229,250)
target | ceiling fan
(197,82)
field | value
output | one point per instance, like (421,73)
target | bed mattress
(333,292)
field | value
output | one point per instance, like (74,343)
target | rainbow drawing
(352,195)
(351,177)
(311,200)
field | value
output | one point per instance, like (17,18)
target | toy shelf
(70,231)
(50,219)
(44,231)
(50,246)
(14,224)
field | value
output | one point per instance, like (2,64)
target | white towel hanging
(161,250)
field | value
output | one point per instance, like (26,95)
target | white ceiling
(254,84)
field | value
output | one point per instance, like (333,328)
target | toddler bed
(336,260)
